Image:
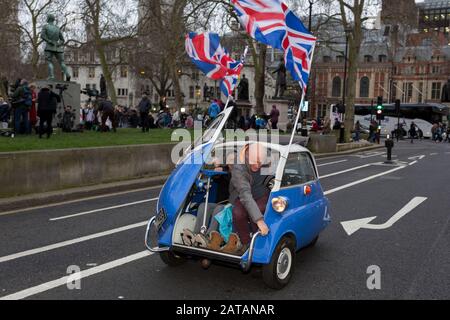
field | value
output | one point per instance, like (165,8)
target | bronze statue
(446,92)
(281,79)
(243,89)
(54,47)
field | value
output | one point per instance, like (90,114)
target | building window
(91,72)
(435,70)
(407,92)
(340,59)
(420,97)
(75,56)
(364,86)
(368,59)
(382,58)
(436,91)
(122,92)
(336,89)
(75,72)
(191,92)
(327,59)
(92,57)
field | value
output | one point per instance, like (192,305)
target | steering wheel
(269,182)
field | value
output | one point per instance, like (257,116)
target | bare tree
(10,40)
(353,16)
(108,24)
(160,55)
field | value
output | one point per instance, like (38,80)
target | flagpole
(283,157)
(301,104)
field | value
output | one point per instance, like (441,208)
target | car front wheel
(278,272)
(171,259)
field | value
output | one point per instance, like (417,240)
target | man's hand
(263,228)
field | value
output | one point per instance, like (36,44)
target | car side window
(299,170)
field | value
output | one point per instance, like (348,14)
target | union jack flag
(212,59)
(272,23)
(263,20)
(298,46)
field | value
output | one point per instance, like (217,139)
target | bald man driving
(249,195)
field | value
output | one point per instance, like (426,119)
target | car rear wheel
(278,272)
(171,259)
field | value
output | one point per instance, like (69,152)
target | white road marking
(413,163)
(417,157)
(83,274)
(78,200)
(434,154)
(70,242)
(369,155)
(354,225)
(354,183)
(330,163)
(103,209)
(345,171)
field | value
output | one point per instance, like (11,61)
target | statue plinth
(70,93)
(282,106)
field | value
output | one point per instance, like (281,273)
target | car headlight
(279,204)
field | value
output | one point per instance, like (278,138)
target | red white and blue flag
(272,23)
(213,60)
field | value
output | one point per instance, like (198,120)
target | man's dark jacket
(47,100)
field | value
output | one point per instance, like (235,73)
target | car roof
(295,148)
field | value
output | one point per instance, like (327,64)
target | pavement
(103,236)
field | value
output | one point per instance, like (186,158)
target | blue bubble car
(296,213)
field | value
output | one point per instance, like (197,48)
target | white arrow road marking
(354,225)
(417,157)
(103,209)
(80,275)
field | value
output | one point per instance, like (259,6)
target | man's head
(2,99)
(23,82)
(274,107)
(256,156)
(50,18)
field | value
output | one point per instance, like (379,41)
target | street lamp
(311,3)
(344,91)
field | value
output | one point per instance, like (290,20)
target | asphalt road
(103,237)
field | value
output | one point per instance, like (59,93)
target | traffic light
(380,109)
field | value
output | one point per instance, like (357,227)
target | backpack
(27,97)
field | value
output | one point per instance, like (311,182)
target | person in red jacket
(33,110)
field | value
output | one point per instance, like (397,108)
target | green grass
(87,139)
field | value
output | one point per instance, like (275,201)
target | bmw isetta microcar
(296,212)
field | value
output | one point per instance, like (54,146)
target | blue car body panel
(305,218)
(176,189)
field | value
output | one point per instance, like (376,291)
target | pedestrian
(274,117)
(412,132)
(327,127)
(22,101)
(213,110)
(5,112)
(107,110)
(144,109)
(47,102)
(89,117)
(357,132)
(33,110)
